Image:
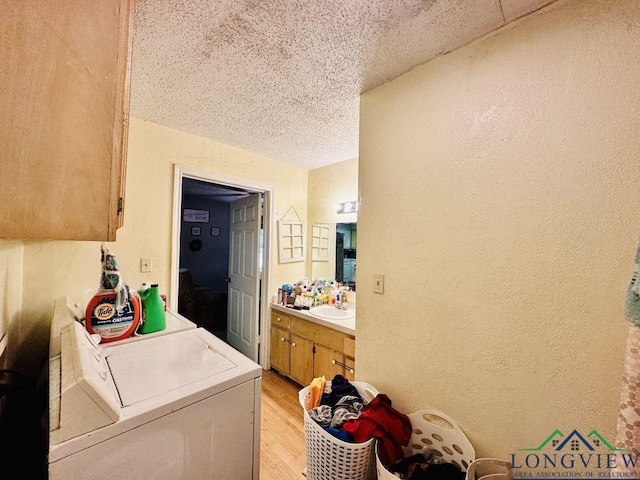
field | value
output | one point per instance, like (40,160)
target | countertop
(345,326)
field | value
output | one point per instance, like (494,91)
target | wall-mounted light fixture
(347,207)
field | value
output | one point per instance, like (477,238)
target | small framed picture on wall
(215,231)
(195,231)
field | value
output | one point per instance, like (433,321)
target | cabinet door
(301,368)
(64,118)
(327,362)
(280,349)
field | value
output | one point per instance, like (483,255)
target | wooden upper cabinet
(64,114)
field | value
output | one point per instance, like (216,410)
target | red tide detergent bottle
(114,312)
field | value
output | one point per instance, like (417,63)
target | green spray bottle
(153,316)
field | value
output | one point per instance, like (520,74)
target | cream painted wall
(500,198)
(11,253)
(328,186)
(55,268)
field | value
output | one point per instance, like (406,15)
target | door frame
(180,172)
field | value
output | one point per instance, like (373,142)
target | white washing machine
(183,405)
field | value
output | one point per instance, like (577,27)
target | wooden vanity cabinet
(64,118)
(302,350)
(291,354)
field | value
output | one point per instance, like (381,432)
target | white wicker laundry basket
(435,431)
(329,457)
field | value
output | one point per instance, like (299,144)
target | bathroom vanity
(304,346)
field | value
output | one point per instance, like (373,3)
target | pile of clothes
(331,405)
(339,409)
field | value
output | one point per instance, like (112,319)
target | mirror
(346,244)
(330,187)
(339,261)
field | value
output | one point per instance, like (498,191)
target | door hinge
(259,339)
(120,204)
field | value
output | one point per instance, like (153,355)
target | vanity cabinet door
(301,360)
(327,362)
(280,349)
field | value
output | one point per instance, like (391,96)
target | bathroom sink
(329,312)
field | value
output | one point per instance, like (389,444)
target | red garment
(380,420)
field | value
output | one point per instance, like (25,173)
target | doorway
(204,264)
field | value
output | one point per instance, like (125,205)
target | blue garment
(340,434)
(340,387)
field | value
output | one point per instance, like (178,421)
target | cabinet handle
(278,319)
(340,364)
(282,339)
(293,344)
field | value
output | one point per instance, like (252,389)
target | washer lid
(154,368)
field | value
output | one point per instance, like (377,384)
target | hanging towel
(628,427)
(632,301)
(316,389)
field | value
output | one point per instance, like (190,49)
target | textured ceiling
(282,78)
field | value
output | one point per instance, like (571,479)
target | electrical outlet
(145,265)
(378,283)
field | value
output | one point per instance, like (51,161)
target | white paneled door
(244,275)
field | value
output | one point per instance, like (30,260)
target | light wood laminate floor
(282,446)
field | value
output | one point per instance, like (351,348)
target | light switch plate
(378,283)
(145,265)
